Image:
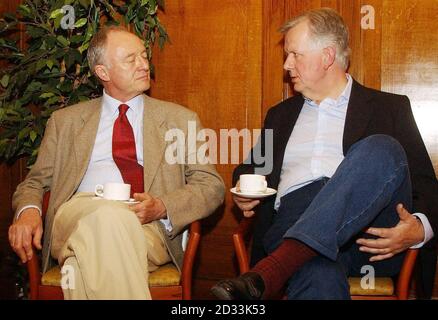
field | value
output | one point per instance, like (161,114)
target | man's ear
(102,72)
(329,57)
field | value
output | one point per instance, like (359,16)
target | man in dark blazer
(349,165)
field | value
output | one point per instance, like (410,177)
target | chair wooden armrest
(404,278)
(33,265)
(40,291)
(33,269)
(189,259)
(242,232)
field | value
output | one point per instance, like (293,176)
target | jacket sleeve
(424,182)
(39,178)
(203,192)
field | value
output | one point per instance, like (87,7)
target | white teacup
(113,191)
(253,183)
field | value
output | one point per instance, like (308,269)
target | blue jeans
(330,214)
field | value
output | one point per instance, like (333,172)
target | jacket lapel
(153,140)
(359,113)
(281,139)
(85,136)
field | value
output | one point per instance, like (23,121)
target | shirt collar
(111,105)
(344,97)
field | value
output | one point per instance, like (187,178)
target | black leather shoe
(248,286)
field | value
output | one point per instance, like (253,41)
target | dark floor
(7,276)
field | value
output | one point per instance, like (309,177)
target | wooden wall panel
(410,61)
(371,49)
(213,66)
(274,88)
(372,63)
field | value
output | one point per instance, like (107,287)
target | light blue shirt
(102,168)
(314,149)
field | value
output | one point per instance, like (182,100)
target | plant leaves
(56,13)
(33,135)
(5,80)
(83,47)
(34,86)
(152,7)
(35,32)
(23,133)
(24,10)
(49,64)
(85,3)
(47,95)
(51,71)
(52,100)
(78,38)
(63,41)
(81,22)
(40,64)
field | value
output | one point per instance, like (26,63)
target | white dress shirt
(102,168)
(314,149)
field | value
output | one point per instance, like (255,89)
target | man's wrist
(421,239)
(420,230)
(161,209)
(28,209)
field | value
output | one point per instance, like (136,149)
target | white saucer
(130,201)
(254,195)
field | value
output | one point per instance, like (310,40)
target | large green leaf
(5,80)
(24,10)
(80,22)
(56,13)
(63,41)
(33,135)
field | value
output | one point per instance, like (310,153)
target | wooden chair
(166,283)
(384,288)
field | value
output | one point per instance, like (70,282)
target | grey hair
(96,49)
(326,28)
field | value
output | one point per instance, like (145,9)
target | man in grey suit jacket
(110,245)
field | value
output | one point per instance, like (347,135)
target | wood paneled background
(214,67)
(225,62)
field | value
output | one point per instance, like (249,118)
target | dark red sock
(281,264)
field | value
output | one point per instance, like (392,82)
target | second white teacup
(250,183)
(113,191)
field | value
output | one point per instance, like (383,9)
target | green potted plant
(43,48)
(50,71)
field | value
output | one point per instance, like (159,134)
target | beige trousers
(104,250)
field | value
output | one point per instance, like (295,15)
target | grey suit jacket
(189,191)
